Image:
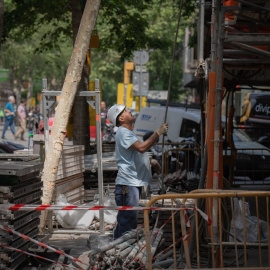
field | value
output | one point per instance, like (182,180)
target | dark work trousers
(126,219)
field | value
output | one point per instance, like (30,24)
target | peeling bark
(65,104)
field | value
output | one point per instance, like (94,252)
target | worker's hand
(162,129)
(156,166)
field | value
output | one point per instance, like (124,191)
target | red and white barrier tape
(39,257)
(33,207)
(41,244)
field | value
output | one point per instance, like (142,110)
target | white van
(183,122)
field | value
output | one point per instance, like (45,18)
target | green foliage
(24,18)
(160,17)
(38,35)
(24,62)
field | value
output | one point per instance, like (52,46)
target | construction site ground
(75,244)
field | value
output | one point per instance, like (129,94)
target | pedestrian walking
(134,166)
(103,116)
(9,117)
(21,112)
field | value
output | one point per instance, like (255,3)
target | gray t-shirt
(133,167)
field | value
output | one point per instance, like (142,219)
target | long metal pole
(140,100)
(125,85)
(201,31)
(169,89)
(99,155)
(217,142)
(45,115)
(213,36)
(201,65)
(201,79)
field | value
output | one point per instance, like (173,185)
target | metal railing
(185,156)
(243,166)
(233,236)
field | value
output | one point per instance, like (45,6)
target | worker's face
(12,100)
(127,117)
(103,105)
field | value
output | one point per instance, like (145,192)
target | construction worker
(134,171)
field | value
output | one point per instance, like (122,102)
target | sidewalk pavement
(9,136)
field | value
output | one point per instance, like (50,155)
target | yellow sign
(128,66)
(39,96)
(121,94)
(31,102)
(143,103)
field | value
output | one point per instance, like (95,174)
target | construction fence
(237,233)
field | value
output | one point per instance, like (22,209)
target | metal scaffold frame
(231,49)
(93,99)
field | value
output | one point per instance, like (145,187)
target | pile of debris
(126,252)
(19,183)
(181,181)
(85,220)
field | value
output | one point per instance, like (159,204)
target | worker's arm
(154,163)
(144,146)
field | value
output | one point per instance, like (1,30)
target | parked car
(252,158)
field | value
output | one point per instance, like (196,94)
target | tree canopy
(39,33)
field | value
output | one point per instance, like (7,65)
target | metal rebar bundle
(125,244)
(164,256)
(123,254)
(128,252)
(134,251)
(137,261)
(110,252)
(125,237)
(154,245)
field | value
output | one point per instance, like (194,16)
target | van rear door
(147,120)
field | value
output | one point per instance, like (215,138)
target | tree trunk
(81,132)
(1,22)
(66,101)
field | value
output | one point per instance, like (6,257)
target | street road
(9,135)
